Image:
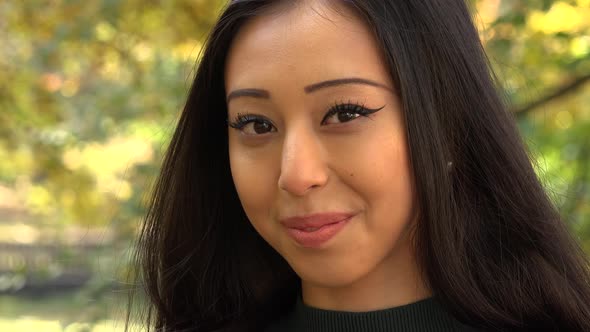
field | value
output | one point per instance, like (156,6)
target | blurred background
(89,95)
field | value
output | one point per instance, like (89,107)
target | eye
(345,112)
(251,124)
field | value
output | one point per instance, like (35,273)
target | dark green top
(425,316)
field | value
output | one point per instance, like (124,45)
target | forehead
(305,43)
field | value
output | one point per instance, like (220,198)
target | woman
(349,166)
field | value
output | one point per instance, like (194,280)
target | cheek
(393,190)
(256,193)
(379,172)
(393,171)
(378,159)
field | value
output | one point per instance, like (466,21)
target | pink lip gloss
(315,238)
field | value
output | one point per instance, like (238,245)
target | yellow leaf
(562,17)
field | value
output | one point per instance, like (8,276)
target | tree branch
(578,82)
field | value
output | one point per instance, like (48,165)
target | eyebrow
(256,93)
(263,94)
(342,81)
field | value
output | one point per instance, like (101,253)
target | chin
(328,277)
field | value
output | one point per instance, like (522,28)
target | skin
(304,165)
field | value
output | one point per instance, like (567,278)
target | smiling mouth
(313,229)
(317,237)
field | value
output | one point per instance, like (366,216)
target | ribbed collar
(423,315)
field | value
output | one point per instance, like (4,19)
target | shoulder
(460,327)
(284,325)
(280,325)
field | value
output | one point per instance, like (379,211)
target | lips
(314,231)
(314,221)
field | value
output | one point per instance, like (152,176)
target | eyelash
(241,120)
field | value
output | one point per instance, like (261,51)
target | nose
(302,163)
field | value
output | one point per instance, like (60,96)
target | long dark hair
(491,245)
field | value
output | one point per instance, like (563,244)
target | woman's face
(317,135)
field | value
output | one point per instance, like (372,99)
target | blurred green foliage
(90,92)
